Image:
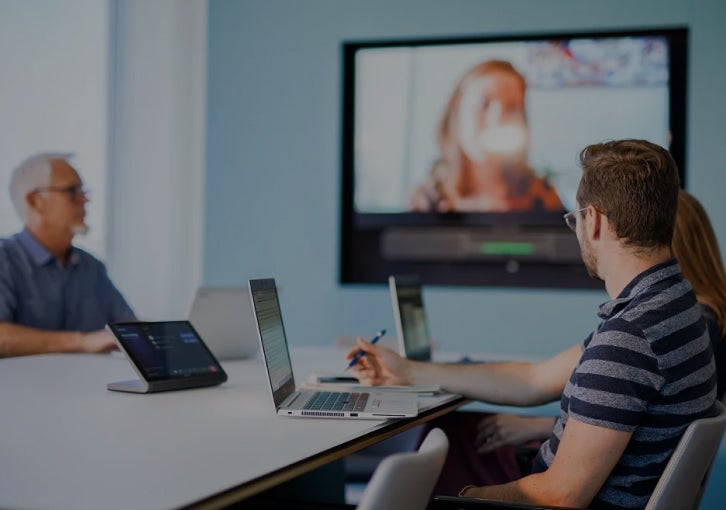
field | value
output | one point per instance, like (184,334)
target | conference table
(66,442)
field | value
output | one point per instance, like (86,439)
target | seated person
(625,378)
(482,449)
(54,297)
(696,248)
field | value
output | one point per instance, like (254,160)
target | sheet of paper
(346,382)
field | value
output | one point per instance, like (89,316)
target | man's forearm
(18,340)
(497,383)
(532,489)
(515,383)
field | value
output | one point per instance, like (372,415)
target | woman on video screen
(483,141)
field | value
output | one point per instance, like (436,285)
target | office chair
(680,486)
(405,481)
(402,481)
(360,466)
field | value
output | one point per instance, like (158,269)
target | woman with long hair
(696,248)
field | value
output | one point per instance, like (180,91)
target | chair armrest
(462,503)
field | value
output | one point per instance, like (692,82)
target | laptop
(167,355)
(408,309)
(308,403)
(223,317)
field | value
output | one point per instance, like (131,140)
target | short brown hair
(635,184)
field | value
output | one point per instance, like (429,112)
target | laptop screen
(411,324)
(272,337)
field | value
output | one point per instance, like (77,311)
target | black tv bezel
(360,261)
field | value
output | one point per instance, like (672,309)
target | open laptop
(223,317)
(291,401)
(168,355)
(408,309)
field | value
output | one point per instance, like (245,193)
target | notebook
(223,317)
(167,355)
(290,400)
(408,309)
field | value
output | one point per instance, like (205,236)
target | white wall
(54,96)
(157,151)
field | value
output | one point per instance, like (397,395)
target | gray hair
(33,173)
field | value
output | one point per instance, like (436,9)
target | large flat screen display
(460,156)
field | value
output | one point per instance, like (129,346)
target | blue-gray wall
(273,154)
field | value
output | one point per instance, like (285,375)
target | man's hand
(380,365)
(97,342)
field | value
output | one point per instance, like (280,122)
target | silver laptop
(291,401)
(223,317)
(408,309)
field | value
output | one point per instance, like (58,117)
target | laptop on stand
(289,400)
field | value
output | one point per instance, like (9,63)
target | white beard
(80,230)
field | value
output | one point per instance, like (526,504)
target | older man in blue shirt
(54,297)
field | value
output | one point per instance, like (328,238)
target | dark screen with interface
(166,350)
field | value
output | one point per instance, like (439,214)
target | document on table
(340,382)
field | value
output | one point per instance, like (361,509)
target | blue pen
(361,352)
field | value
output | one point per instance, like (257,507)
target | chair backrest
(682,483)
(405,481)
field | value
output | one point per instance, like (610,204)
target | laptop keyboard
(337,401)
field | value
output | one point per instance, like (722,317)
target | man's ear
(596,222)
(34,201)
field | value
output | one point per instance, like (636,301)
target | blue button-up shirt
(38,292)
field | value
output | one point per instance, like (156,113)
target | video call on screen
(166,350)
(572,88)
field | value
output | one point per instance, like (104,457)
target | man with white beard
(54,297)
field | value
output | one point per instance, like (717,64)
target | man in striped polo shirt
(631,388)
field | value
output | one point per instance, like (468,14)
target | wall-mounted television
(460,155)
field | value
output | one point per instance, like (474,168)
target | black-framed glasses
(74,191)
(571,219)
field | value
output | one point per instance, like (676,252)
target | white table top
(68,442)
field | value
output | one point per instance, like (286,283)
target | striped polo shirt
(648,369)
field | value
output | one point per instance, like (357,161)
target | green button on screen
(506,248)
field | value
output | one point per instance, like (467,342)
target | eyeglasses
(74,191)
(571,219)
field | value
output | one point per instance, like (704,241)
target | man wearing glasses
(54,297)
(628,391)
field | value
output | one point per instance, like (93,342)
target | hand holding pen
(361,352)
